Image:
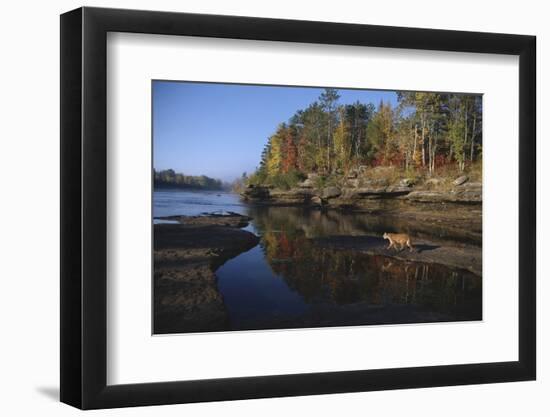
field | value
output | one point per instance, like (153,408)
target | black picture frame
(84,207)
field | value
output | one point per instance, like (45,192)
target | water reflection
(293,281)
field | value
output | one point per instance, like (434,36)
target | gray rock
(464,195)
(469,196)
(461,180)
(331,192)
(293,192)
(353,183)
(256,192)
(434,181)
(370,190)
(307,183)
(294,196)
(406,182)
(316,200)
(472,185)
(382,182)
(398,189)
(362,169)
(429,196)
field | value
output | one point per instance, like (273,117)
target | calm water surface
(174,202)
(294,279)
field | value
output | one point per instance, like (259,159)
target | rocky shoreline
(189,249)
(186,254)
(427,210)
(367,195)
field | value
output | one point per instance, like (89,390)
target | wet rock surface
(464,256)
(186,254)
(302,231)
(455,213)
(339,265)
(230,219)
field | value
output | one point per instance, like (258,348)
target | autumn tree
(329,102)
(381,132)
(342,143)
(310,130)
(274,156)
(289,150)
(422,131)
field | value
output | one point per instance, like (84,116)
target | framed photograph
(256,208)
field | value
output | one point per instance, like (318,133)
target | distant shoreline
(193,189)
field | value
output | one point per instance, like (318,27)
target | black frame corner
(84,207)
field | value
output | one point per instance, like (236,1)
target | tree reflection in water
(306,285)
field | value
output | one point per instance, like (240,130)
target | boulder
(472,186)
(382,182)
(353,182)
(434,182)
(462,195)
(294,196)
(397,189)
(461,180)
(469,195)
(256,192)
(366,193)
(316,200)
(228,219)
(331,192)
(429,197)
(307,183)
(406,182)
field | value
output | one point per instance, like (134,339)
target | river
(291,280)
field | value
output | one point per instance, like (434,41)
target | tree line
(170,179)
(423,132)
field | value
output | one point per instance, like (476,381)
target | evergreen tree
(424,131)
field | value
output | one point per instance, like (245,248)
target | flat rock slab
(459,195)
(186,254)
(171,239)
(354,196)
(461,257)
(229,219)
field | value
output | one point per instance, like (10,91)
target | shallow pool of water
(289,280)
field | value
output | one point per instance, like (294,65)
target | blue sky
(219,130)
